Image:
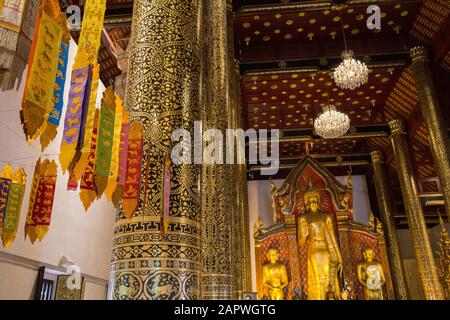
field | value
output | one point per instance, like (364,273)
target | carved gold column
(163,94)
(236,231)
(432,288)
(245,266)
(216,198)
(433,118)
(385,206)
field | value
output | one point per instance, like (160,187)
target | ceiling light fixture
(351,73)
(331,124)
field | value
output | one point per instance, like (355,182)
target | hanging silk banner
(11,12)
(41,202)
(123,154)
(82,129)
(132,187)
(88,192)
(33,192)
(105,140)
(85,147)
(76,154)
(72,123)
(5,184)
(165,194)
(58,98)
(91,33)
(12,214)
(72,183)
(37,100)
(114,169)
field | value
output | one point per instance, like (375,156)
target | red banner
(131,192)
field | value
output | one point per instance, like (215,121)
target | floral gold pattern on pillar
(41,200)
(12,213)
(216,178)
(162,95)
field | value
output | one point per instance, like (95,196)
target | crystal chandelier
(331,123)
(351,73)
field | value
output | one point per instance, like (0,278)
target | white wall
(85,238)
(260,204)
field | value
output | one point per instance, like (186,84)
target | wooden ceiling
(287,32)
(293,99)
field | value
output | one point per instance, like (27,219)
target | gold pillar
(216,198)
(385,206)
(433,118)
(245,265)
(163,94)
(236,232)
(427,268)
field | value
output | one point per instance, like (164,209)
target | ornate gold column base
(433,118)
(384,204)
(427,268)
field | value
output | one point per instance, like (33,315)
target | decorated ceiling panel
(293,99)
(432,16)
(281,29)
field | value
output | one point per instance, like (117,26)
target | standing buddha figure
(371,276)
(317,229)
(275,277)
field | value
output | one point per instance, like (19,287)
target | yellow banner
(114,169)
(91,33)
(38,96)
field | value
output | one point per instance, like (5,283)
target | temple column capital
(419,54)
(377,156)
(397,126)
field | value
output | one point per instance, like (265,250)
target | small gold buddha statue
(371,276)
(324,257)
(275,276)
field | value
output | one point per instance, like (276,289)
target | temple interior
(225,149)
